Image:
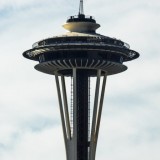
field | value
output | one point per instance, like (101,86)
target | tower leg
(97,111)
(78,146)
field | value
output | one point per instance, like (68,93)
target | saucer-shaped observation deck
(81,48)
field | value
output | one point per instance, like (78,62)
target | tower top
(81,23)
(81,8)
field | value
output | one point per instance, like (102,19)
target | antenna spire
(81,10)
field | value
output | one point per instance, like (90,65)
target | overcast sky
(30,127)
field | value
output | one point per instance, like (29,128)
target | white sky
(30,126)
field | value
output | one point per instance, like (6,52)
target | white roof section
(79,34)
(84,27)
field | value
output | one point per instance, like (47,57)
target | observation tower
(80,54)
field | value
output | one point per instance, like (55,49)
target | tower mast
(81,8)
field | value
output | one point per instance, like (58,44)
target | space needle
(80,54)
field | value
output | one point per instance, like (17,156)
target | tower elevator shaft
(82,97)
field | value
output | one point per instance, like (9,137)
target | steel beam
(100,106)
(94,119)
(66,107)
(61,109)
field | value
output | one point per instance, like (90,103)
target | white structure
(80,54)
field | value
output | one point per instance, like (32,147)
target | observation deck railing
(80,41)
